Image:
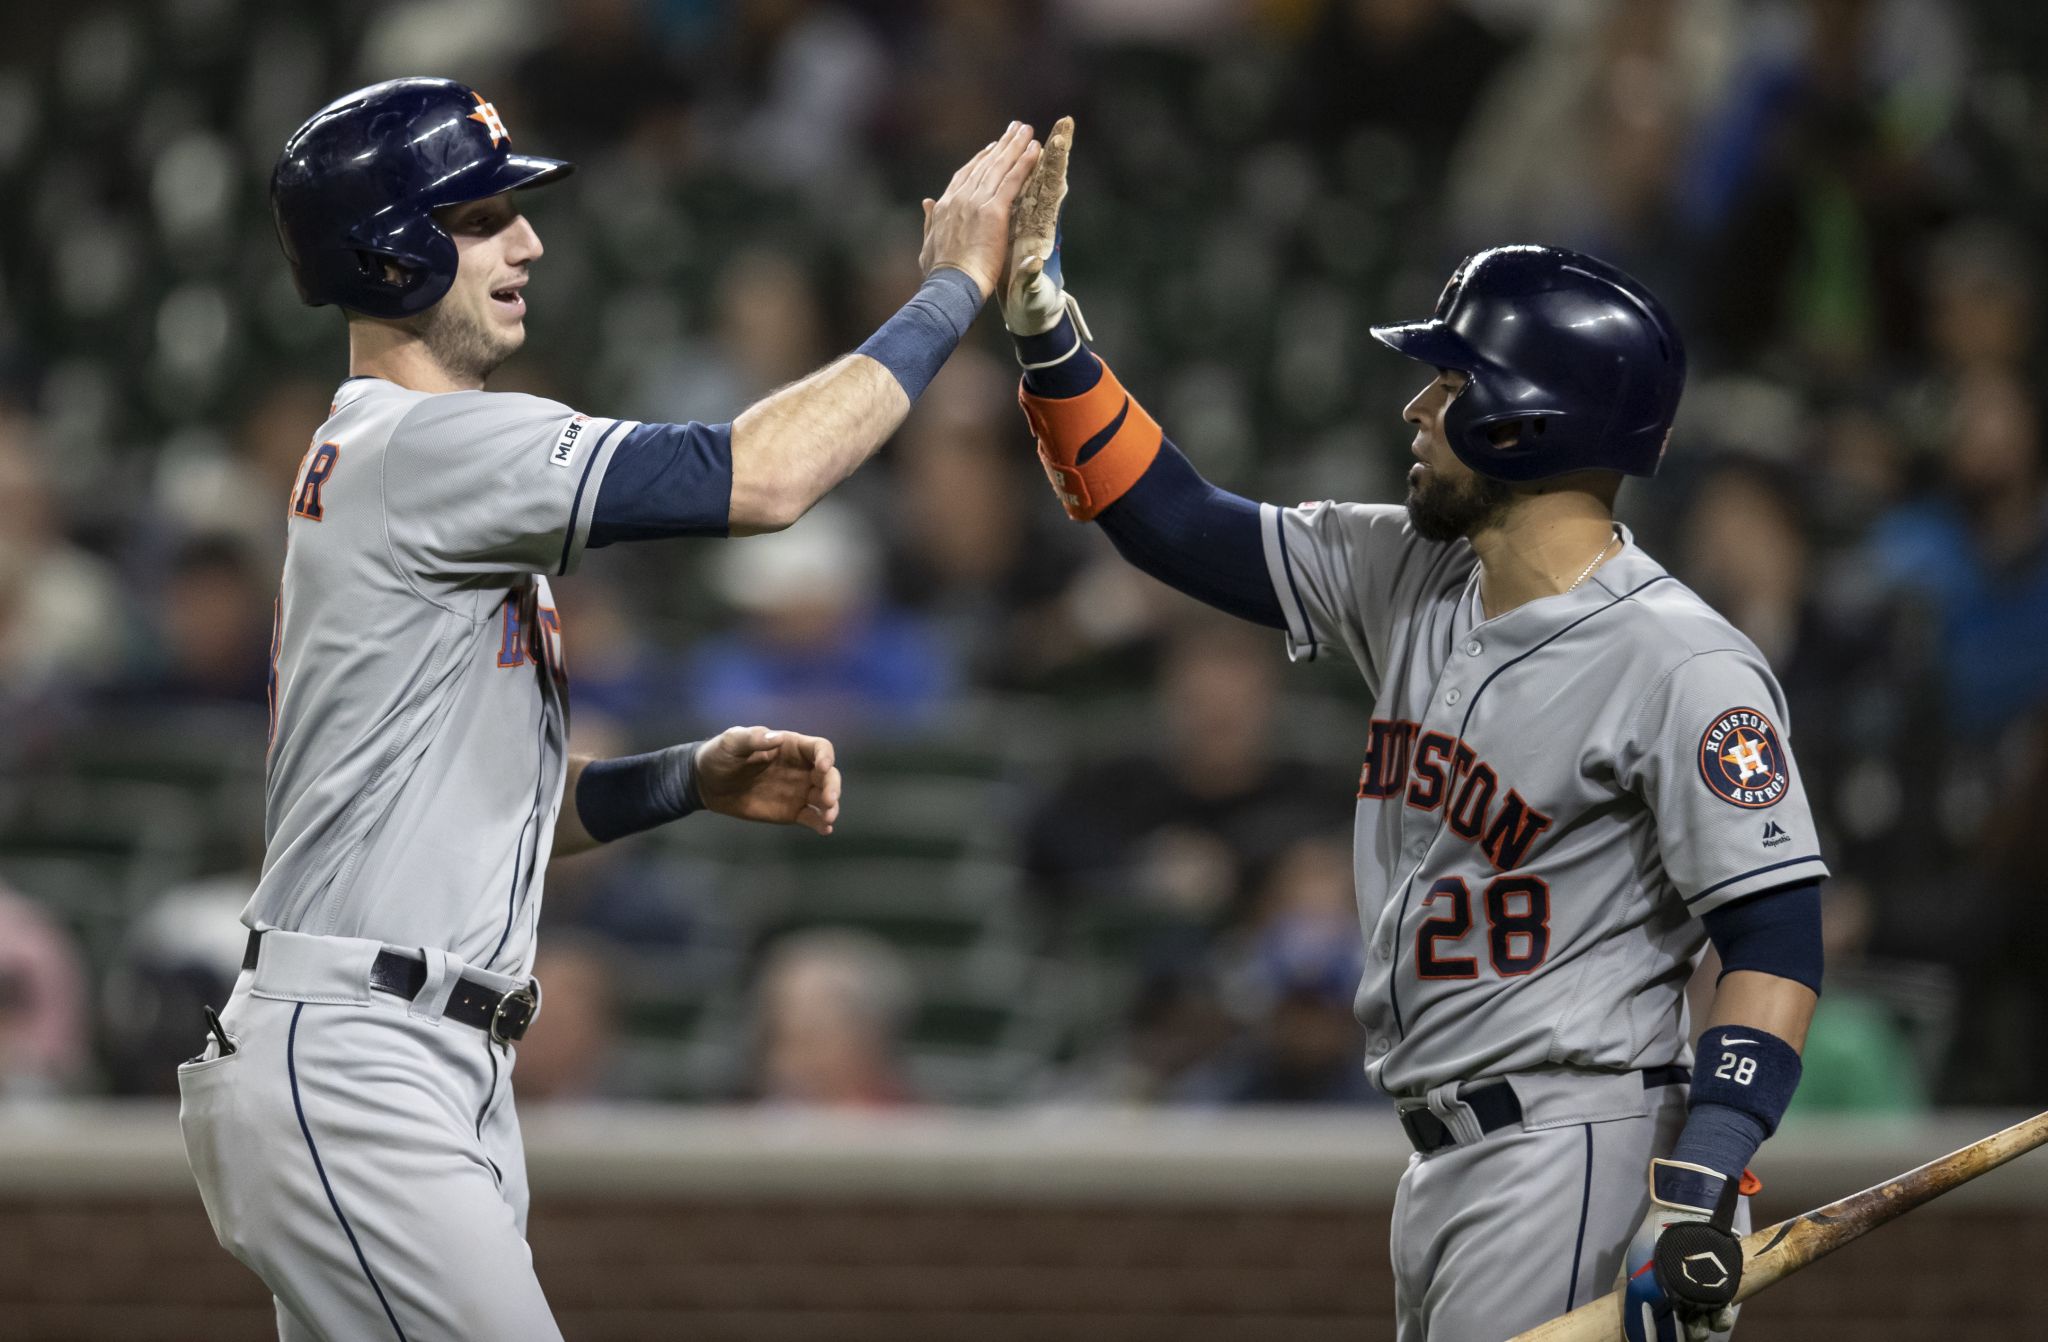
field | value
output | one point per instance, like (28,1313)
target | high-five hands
(968,226)
(777,777)
(1032,297)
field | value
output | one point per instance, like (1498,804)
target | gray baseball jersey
(418,695)
(1549,799)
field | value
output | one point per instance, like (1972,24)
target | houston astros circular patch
(1742,761)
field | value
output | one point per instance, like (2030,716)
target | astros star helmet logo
(487,116)
(1743,761)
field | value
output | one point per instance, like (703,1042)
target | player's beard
(461,343)
(1442,510)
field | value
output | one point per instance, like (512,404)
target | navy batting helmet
(1583,356)
(357,186)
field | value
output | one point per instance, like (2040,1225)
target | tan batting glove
(1033,300)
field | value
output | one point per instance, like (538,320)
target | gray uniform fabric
(1548,801)
(356,1150)
(362,1155)
(418,701)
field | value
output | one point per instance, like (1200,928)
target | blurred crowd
(1107,854)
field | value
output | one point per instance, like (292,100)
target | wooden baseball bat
(1782,1249)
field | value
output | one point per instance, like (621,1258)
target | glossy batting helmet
(357,186)
(1583,356)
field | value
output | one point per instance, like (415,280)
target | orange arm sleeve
(1122,441)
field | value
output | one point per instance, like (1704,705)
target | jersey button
(1453,697)
(1473,649)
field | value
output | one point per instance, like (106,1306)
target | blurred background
(1096,843)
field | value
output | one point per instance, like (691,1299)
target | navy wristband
(623,796)
(1720,1138)
(1743,1079)
(915,343)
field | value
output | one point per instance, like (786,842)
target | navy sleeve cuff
(666,480)
(1776,932)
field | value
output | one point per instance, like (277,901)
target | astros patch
(1743,761)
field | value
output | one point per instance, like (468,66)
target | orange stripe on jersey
(1064,427)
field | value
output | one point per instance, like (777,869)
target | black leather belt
(503,1016)
(1496,1106)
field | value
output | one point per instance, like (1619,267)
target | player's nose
(1417,411)
(523,245)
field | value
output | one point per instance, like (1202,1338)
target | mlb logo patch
(565,446)
(1743,761)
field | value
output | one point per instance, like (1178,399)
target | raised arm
(1108,459)
(793,446)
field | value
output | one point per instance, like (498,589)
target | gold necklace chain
(1592,564)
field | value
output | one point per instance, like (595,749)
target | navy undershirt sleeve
(665,480)
(1195,538)
(1776,932)
(1172,523)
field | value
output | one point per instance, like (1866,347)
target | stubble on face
(461,341)
(1442,509)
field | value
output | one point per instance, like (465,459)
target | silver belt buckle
(529,993)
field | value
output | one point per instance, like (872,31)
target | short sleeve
(1336,568)
(490,482)
(1707,748)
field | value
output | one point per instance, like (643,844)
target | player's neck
(378,349)
(1543,548)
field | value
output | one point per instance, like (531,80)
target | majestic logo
(1742,760)
(487,116)
(1774,834)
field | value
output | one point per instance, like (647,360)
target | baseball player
(1575,774)
(350,1122)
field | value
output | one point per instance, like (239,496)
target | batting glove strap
(1693,1190)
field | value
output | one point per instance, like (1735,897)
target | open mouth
(509,300)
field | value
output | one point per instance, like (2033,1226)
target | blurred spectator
(830,1009)
(617,673)
(1979,553)
(1409,69)
(1184,827)
(976,552)
(609,45)
(618,892)
(212,626)
(818,649)
(60,606)
(1294,984)
(1814,185)
(1856,1058)
(815,77)
(568,1052)
(2000,905)
(1840,199)
(43,1013)
(242,489)
(1860,684)
(181,955)
(1983,294)
(768,331)
(1577,142)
